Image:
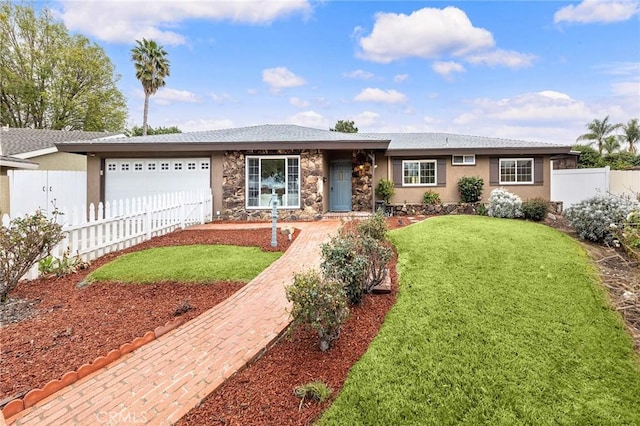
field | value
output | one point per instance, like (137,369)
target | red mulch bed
(262,393)
(72,326)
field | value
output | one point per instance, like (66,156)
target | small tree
(318,305)
(23,243)
(385,190)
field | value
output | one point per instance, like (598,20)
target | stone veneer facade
(312,200)
(234,187)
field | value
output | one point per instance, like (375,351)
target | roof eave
(480,151)
(217,146)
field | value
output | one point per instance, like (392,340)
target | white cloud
(166,96)
(298,103)
(427,33)
(123,22)
(222,98)
(446,68)
(202,124)
(603,11)
(252,92)
(358,74)
(629,89)
(379,95)
(507,58)
(366,118)
(309,119)
(399,78)
(280,77)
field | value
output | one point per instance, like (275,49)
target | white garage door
(138,177)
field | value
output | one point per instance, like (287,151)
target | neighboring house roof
(268,136)
(28,143)
(285,136)
(446,143)
(16,163)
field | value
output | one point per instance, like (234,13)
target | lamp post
(274,217)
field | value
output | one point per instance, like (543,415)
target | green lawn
(498,322)
(193,264)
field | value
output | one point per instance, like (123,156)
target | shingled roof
(286,136)
(15,142)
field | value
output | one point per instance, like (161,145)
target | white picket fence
(114,226)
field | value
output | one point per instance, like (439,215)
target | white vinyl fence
(574,185)
(117,225)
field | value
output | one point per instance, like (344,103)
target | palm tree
(631,134)
(598,132)
(152,66)
(611,144)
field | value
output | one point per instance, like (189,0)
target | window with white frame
(280,174)
(516,171)
(463,160)
(419,172)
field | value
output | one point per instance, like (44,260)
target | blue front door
(340,186)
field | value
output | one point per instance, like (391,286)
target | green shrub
(318,305)
(343,262)
(470,189)
(482,210)
(316,390)
(629,235)
(535,209)
(375,227)
(385,190)
(596,218)
(62,266)
(377,255)
(431,198)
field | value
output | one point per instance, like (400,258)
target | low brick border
(35,395)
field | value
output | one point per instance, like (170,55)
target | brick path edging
(35,395)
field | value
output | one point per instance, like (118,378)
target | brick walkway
(160,382)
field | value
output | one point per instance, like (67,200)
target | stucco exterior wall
(449,193)
(61,161)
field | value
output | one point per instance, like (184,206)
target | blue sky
(536,70)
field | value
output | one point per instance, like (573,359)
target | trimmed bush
(375,227)
(431,198)
(470,189)
(318,305)
(343,262)
(503,203)
(596,218)
(535,209)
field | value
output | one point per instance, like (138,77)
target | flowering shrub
(319,305)
(597,218)
(503,203)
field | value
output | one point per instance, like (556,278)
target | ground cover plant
(496,322)
(192,263)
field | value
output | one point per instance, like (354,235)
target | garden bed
(67,326)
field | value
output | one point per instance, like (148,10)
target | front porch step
(346,215)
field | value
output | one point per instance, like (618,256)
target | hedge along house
(311,171)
